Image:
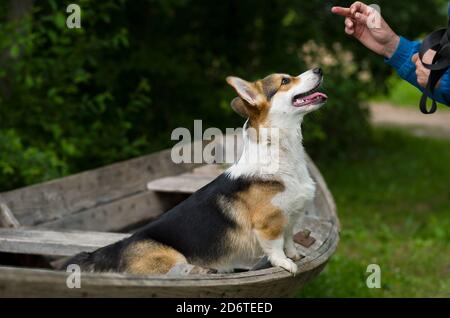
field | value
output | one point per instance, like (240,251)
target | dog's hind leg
(150,257)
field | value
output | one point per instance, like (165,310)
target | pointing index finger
(342,11)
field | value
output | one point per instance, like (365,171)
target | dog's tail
(83,260)
(105,259)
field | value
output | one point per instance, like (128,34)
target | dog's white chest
(298,193)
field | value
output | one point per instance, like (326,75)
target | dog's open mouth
(313,97)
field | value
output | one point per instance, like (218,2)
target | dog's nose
(317,71)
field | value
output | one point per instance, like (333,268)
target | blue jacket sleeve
(406,69)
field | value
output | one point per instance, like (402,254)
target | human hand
(423,73)
(359,19)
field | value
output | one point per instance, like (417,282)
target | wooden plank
(183,183)
(187,182)
(59,198)
(17,282)
(53,242)
(114,216)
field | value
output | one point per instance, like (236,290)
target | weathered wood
(26,241)
(271,282)
(113,216)
(189,269)
(39,283)
(7,219)
(187,182)
(59,198)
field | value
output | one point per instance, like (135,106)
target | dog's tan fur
(255,207)
(149,257)
(254,213)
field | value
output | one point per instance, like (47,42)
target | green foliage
(74,99)
(24,165)
(394,211)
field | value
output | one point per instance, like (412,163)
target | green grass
(394,207)
(401,93)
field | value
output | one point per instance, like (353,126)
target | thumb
(415,57)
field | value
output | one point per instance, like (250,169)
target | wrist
(391,46)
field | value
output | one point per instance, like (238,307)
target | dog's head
(278,98)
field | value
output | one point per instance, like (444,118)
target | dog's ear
(245,90)
(239,107)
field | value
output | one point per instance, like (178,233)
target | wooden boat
(41,224)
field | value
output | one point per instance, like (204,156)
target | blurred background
(77,99)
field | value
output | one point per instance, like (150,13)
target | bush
(74,99)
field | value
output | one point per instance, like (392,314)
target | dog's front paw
(285,263)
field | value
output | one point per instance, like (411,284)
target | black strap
(438,41)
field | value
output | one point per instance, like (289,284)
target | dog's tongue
(310,99)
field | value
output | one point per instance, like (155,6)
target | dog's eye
(285,81)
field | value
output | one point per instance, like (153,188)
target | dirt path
(435,125)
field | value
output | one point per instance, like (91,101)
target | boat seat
(188,182)
(54,243)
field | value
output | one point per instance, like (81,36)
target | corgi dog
(247,210)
